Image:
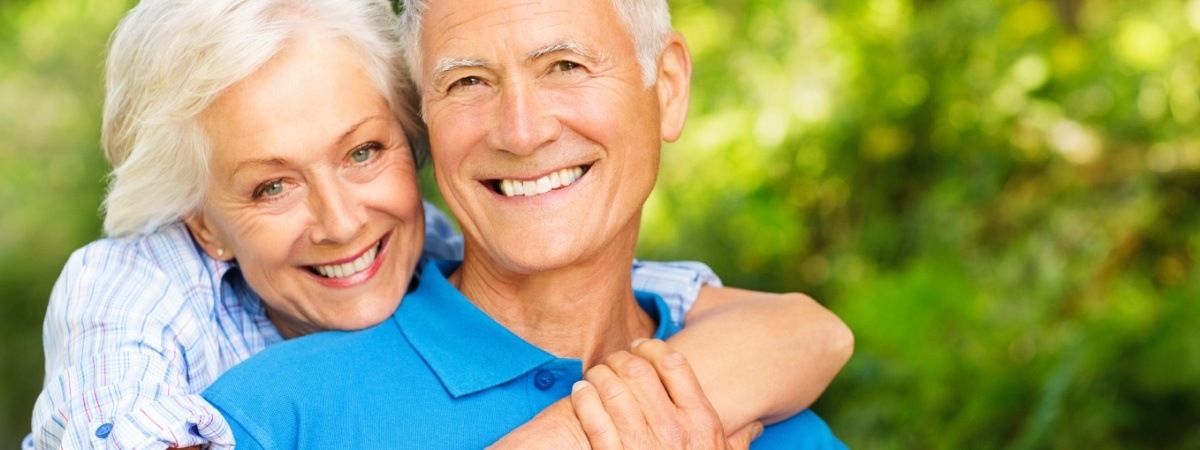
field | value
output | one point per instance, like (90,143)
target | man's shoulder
(299,368)
(332,376)
(801,431)
(315,353)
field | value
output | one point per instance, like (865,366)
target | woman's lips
(350,267)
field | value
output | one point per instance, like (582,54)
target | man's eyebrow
(562,46)
(445,65)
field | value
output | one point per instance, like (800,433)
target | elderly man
(546,119)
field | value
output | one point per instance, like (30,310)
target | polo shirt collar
(467,349)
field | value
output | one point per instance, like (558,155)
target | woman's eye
(361,155)
(565,66)
(269,189)
(364,153)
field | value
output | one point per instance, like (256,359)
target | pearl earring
(220,252)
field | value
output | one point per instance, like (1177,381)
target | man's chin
(532,260)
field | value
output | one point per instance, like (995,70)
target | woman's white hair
(648,21)
(169,59)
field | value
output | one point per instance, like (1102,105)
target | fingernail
(578,385)
(637,342)
(758,430)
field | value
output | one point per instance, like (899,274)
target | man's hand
(650,398)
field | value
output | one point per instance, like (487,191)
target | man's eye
(465,82)
(565,66)
(269,189)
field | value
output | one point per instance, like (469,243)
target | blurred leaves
(51,173)
(999,198)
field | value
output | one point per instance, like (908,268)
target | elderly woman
(255,200)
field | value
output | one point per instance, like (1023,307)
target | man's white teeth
(350,268)
(541,185)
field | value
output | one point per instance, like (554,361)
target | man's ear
(674,86)
(207,236)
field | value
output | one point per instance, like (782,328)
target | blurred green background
(998,196)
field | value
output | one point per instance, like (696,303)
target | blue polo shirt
(440,374)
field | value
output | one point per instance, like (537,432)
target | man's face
(545,139)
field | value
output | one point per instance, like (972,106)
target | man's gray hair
(168,60)
(648,22)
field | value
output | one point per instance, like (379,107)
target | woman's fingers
(597,425)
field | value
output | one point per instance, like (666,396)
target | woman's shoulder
(165,265)
(170,243)
(168,251)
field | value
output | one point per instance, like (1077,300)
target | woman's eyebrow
(278,162)
(350,131)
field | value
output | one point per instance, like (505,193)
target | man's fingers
(676,375)
(661,413)
(741,439)
(597,425)
(619,401)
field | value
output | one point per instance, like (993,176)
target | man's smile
(546,183)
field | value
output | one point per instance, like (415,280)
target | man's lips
(350,266)
(510,187)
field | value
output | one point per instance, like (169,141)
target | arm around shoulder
(115,360)
(762,356)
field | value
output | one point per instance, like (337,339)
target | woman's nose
(338,216)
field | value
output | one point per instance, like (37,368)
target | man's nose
(524,120)
(338,216)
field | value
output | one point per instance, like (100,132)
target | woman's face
(313,190)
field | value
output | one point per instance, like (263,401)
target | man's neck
(584,311)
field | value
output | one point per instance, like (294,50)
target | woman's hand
(650,398)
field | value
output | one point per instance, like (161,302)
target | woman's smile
(352,271)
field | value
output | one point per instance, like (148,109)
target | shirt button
(103,430)
(543,380)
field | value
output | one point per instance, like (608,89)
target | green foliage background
(997,196)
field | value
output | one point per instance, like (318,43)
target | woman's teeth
(350,268)
(541,185)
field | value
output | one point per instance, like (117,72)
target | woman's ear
(674,86)
(206,234)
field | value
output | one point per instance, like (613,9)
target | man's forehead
(447,63)
(469,25)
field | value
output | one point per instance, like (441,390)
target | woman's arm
(791,345)
(120,338)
